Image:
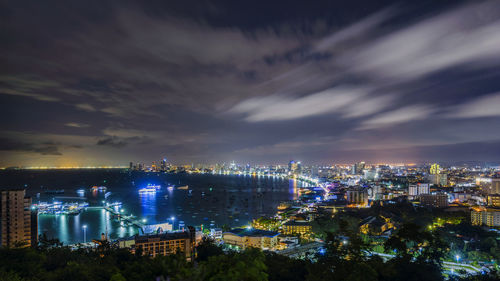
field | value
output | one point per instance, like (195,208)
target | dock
(121,217)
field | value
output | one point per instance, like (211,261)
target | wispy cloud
(28,87)
(77,125)
(467,35)
(191,88)
(486,106)
(286,108)
(85,106)
(401,115)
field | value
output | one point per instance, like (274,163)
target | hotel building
(244,238)
(18,225)
(485,216)
(166,243)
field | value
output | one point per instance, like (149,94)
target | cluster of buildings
(348,187)
(162,243)
(489,213)
(333,188)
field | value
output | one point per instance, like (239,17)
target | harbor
(125,220)
(60,208)
(232,200)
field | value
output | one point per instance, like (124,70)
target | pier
(121,217)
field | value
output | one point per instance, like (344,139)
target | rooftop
(162,236)
(296,223)
(252,232)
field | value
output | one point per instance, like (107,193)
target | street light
(84,233)
(457,257)
(144,220)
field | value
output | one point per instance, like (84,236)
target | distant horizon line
(282,164)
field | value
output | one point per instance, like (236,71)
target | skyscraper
(18,224)
(418,189)
(358,168)
(163,166)
(493,187)
(293,167)
(434,170)
(436,177)
(357,196)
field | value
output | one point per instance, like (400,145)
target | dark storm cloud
(48,148)
(268,82)
(112,141)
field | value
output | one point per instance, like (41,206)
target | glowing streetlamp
(457,257)
(173,222)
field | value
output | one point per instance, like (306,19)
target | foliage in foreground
(418,257)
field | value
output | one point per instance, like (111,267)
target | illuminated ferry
(150,188)
(98,188)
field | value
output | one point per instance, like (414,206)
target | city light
(274,134)
(84,233)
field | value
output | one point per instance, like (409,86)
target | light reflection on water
(231,200)
(69,228)
(63,227)
(148,205)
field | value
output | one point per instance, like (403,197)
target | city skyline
(102,83)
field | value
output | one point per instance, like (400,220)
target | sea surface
(215,200)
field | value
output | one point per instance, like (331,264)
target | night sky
(108,82)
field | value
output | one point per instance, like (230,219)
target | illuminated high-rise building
(418,189)
(19,224)
(357,196)
(439,200)
(485,216)
(163,164)
(493,200)
(358,168)
(294,167)
(434,170)
(436,177)
(494,187)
